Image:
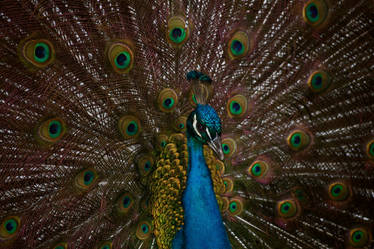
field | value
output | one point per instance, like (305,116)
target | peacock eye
(200,127)
(106,245)
(62,245)
(124,203)
(359,237)
(258,169)
(229,147)
(315,12)
(237,106)
(298,140)
(122,60)
(287,208)
(9,227)
(39,52)
(145,164)
(229,184)
(235,206)
(129,126)
(239,45)
(121,57)
(220,167)
(299,194)
(86,179)
(167,100)
(177,31)
(319,81)
(51,130)
(370,149)
(177,35)
(339,191)
(144,230)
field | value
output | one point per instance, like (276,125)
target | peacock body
(186,124)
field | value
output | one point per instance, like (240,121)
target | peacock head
(204,125)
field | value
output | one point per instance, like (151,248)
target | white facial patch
(194,123)
(207,131)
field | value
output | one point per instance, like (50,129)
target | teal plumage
(96,141)
(201,211)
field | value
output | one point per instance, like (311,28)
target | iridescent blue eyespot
(121,57)
(9,227)
(177,31)
(144,230)
(315,13)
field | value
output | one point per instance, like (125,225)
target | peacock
(215,124)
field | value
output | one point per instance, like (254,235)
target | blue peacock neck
(203,226)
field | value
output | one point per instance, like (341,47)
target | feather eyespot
(339,191)
(62,245)
(124,203)
(9,227)
(145,164)
(315,12)
(51,130)
(177,31)
(86,179)
(180,124)
(287,208)
(235,206)
(167,100)
(225,148)
(359,237)
(38,52)
(370,149)
(122,60)
(129,126)
(298,140)
(105,245)
(144,230)
(237,106)
(145,204)
(258,169)
(300,194)
(224,203)
(161,141)
(229,184)
(239,45)
(262,170)
(220,167)
(228,147)
(177,34)
(42,52)
(121,57)
(319,81)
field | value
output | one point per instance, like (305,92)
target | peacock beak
(216,145)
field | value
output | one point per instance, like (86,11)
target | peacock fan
(186,124)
